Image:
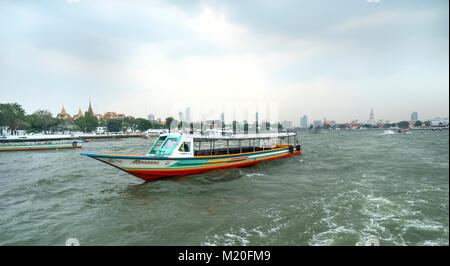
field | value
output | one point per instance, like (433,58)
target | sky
(326,59)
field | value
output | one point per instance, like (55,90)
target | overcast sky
(333,59)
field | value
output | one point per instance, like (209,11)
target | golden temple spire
(63,111)
(90,107)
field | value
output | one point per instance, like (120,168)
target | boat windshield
(157,144)
(170,144)
(164,145)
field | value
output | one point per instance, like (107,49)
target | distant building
(414,116)
(439,122)
(113,115)
(317,123)
(371,118)
(222,117)
(304,121)
(90,108)
(151,117)
(181,116)
(187,115)
(78,115)
(287,124)
(63,114)
(329,122)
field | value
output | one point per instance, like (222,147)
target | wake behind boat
(176,155)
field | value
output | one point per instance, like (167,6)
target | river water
(346,187)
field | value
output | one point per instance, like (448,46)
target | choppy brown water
(346,187)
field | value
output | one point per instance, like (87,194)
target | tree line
(13,116)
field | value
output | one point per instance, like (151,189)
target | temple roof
(63,111)
(90,108)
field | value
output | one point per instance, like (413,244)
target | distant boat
(403,131)
(154,132)
(40,146)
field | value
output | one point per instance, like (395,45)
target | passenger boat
(175,154)
(40,146)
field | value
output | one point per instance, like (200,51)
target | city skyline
(185,117)
(163,56)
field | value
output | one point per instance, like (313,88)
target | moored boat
(40,146)
(179,154)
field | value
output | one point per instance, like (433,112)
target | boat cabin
(175,145)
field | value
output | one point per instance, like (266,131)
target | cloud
(156,56)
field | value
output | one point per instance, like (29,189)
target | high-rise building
(222,117)
(304,121)
(187,115)
(151,117)
(372,118)
(414,116)
(181,116)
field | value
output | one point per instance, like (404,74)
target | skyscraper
(151,117)
(414,116)
(222,117)
(372,118)
(304,121)
(181,116)
(187,115)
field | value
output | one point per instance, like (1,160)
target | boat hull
(147,168)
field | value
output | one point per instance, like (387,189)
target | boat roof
(199,137)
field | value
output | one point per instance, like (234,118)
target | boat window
(170,143)
(185,147)
(157,144)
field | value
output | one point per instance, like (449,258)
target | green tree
(169,121)
(403,124)
(427,123)
(418,123)
(129,122)
(12,115)
(86,123)
(143,124)
(114,125)
(102,122)
(42,120)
